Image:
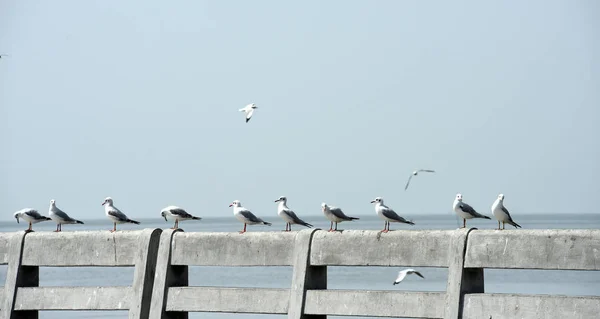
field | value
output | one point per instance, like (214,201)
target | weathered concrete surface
(238,300)
(81,248)
(4,240)
(509,306)
(17,276)
(233,249)
(534,249)
(375,303)
(460,280)
(73,298)
(143,277)
(166,275)
(304,276)
(428,248)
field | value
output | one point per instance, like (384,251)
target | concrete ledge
(423,248)
(73,298)
(375,303)
(534,249)
(509,306)
(233,249)
(238,300)
(81,248)
(4,241)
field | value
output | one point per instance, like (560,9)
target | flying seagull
(1,55)
(415,173)
(246,216)
(335,215)
(249,110)
(288,215)
(501,213)
(403,273)
(388,214)
(465,211)
(177,213)
(60,217)
(31,216)
(115,214)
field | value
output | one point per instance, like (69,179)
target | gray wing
(62,215)
(34,214)
(118,214)
(181,213)
(295,218)
(391,214)
(408,182)
(249,216)
(507,213)
(337,212)
(427,170)
(468,209)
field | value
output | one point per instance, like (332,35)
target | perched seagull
(501,213)
(465,211)
(335,215)
(249,110)
(115,214)
(415,173)
(60,217)
(403,273)
(31,216)
(246,216)
(388,214)
(177,213)
(288,215)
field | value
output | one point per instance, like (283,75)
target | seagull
(288,215)
(60,217)
(388,214)
(249,110)
(246,216)
(465,211)
(501,213)
(31,216)
(177,213)
(1,55)
(115,214)
(415,173)
(335,215)
(403,273)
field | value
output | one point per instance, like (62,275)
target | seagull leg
(290,226)
(385,227)
(29,229)
(114,228)
(498,225)
(243,231)
(330,227)
(56,231)
(464,223)
(503,224)
(335,226)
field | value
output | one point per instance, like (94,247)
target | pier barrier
(23,297)
(161,259)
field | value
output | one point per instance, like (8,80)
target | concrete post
(18,276)
(143,277)
(460,280)
(166,276)
(305,276)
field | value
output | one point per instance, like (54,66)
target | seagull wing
(34,214)
(468,209)
(115,212)
(391,214)
(401,276)
(408,182)
(62,215)
(337,212)
(249,216)
(427,170)
(249,114)
(180,212)
(417,273)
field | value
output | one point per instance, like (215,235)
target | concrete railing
(160,286)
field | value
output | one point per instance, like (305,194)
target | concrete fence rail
(161,259)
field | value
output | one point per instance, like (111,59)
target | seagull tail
(247,120)
(78,222)
(306,224)
(47,218)
(514,224)
(395,283)
(266,223)
(353,218)
(133,221)
(410,222)
(196,218)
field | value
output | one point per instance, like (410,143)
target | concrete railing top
(4,244)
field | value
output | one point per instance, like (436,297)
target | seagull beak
(230,205)
(17,219)
(277,200)
(372,201)
(104,202)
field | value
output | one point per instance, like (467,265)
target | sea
(570,283)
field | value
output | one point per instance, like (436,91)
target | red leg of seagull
(56,231)
(384,230)
(330,226)
(243,231)
(29,229)
(114,228)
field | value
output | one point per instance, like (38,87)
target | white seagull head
(17,215)
(378,200)
(108,201)
(501,197)
(235,203)
(281,199)
(459,197)
(52,202)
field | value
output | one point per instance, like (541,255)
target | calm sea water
(571,283)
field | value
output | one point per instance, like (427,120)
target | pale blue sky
(139,100)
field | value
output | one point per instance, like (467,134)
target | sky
(138,100)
